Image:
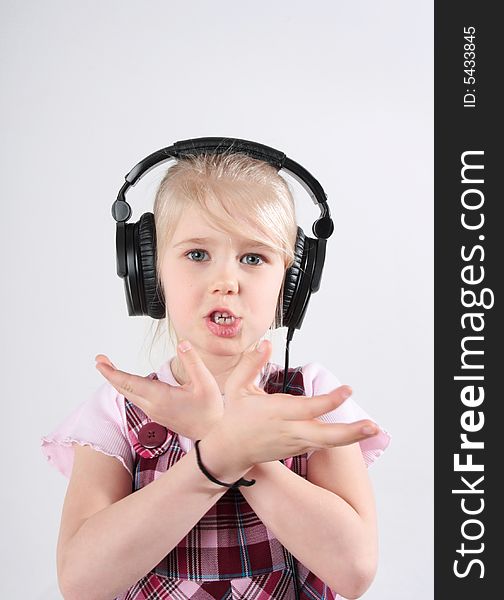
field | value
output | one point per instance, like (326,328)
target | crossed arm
(326,521)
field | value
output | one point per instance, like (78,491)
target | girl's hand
(191,409)
(258,427)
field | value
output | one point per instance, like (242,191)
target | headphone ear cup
(153,303)
(292,278)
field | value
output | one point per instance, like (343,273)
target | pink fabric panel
(319,380)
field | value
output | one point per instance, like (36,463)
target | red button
(152,435)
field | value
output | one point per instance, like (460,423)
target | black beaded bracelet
(241,481)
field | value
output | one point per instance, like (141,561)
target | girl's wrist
(222,457)
(201,430)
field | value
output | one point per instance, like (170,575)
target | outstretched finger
(103,358)
(303,407)
(249,367)
(195,368)
(330,435)
(137,389)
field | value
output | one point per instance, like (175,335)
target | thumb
(249,367)
(194,366)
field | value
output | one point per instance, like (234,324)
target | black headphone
(136,242)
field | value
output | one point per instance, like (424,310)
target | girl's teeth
(223,320)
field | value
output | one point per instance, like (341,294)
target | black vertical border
(458,129)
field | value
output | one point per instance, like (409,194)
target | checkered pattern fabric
(229,554)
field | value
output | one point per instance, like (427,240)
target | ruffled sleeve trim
(99,423)
(60,453)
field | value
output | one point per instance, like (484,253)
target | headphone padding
(154,305)
(292,277)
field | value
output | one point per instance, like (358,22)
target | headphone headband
(212,145)
(322,228)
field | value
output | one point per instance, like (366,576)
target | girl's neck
(221,369)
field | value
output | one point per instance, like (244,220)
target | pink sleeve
(318,380)
(97,422)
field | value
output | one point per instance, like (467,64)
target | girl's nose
(224,285)
(224,279)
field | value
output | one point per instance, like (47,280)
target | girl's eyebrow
(207,240)
(196,240)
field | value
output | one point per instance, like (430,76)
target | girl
(232,478)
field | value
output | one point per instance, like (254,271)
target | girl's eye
(196,255)
(254,256)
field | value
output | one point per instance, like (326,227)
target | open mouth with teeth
(222,318)
(223,324)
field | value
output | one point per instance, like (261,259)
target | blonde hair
(223,186)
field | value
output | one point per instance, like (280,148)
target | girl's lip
(224,330)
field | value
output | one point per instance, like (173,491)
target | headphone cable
(290,333)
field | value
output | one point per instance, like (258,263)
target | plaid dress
(229,554)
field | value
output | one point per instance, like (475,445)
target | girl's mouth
(223,326)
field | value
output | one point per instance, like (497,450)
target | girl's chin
(226,346)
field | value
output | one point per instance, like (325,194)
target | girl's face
(205,269)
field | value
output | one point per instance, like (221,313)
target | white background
(90,88)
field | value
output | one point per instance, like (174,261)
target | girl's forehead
(193,219)
(194,226)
